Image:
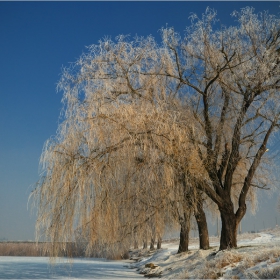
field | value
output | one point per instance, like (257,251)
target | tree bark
(229,227)
(159,242)
(145,244)
(184,234)
(152,244)
(202,227)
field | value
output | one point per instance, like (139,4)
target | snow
(40,268)
(257,256)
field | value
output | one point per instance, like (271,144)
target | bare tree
(231,76)
(148,131)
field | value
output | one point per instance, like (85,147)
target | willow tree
(231,77)
(119,157)
(149,130)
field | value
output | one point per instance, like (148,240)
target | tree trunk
(152,245)
(159,243)
(145,244)
(184,234)
(136,244)
(202,227)
(229,227)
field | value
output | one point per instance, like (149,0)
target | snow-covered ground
(257,256)
(40,268)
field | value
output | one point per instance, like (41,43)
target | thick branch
(211,193)
(234,156)
(254,166)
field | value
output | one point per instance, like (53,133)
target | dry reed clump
(103,250)
(270,255)
(246,263)
(210,271)
(269,273)
(213,268)
(235,265)
(33,249)
(211,274)
(226,258)
(22,249)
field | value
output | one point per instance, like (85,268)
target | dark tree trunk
(152,245)
(145,244)
(184,234)
(229,227)
(202,227)
(159,243)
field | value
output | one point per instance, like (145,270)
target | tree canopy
(149,131)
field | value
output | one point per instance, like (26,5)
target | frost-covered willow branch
(149,132)
(111,171)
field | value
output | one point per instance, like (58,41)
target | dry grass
(270,256)
(213,268)
(21,249)
(210,271)
(235,265)
(227,258)
(31,249)
(247,263)
(273,273)
(211,274)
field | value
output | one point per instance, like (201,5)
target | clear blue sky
(36,40)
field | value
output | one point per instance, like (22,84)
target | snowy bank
(257,256)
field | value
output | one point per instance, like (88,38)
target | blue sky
(36,40)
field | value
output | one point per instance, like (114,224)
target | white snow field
(40,268)
(257,257)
